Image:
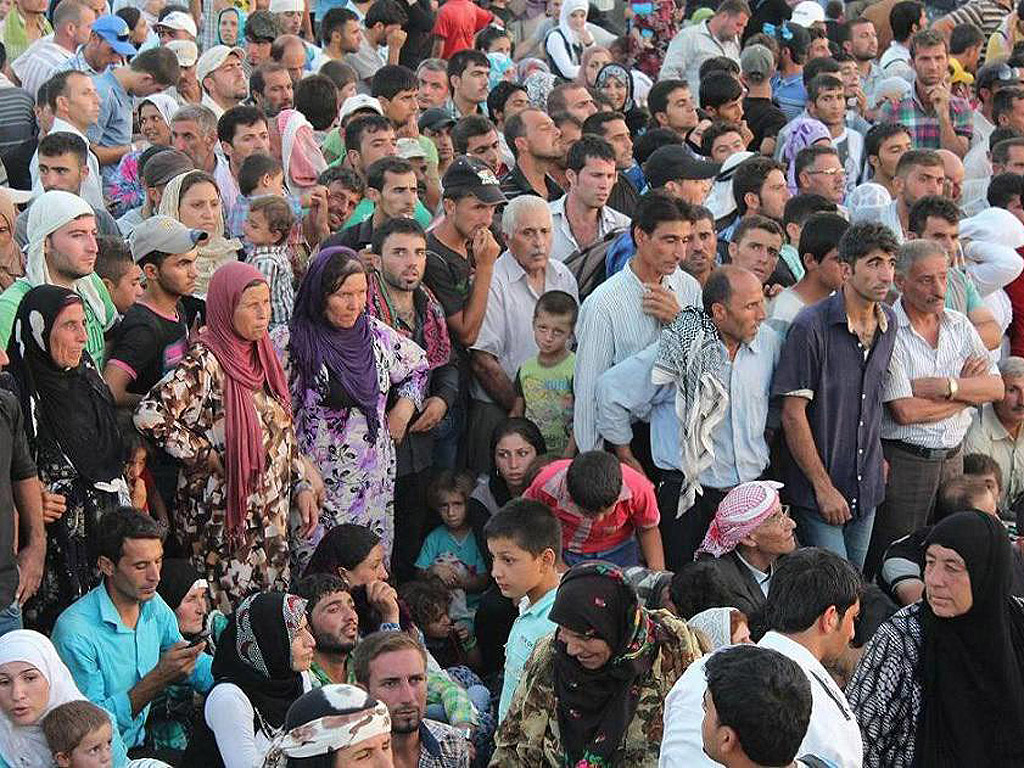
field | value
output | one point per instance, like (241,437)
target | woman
(722,626)
(124,190)
(344,366)
(651,34)
(12,261)
(942,682)
(230,23)
(602,676)
(33,681)
(300,154)
(591,62)
(804,132)
(616,84)
(565,43)
(193,199)
(225,414)
(138,27)
(72,429)
(261,667)
(515,444)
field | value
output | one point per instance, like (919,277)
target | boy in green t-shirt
(544,381)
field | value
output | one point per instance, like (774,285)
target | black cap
(467,174)
(1000,73)
(436,119)
(673,162)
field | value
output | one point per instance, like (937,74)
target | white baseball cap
(179,20)
(357,102)
(286,6)
(214,58)
(808,13)
(186,51)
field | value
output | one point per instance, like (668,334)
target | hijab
(25,745)
(721,201)
(12,263)
(241,26)
(581,77)
(716,624)
(539,85)
(867,202)
(177,578)
(301,157)
(166,105)
(596,706)
(528,66)
(501,67)
(255,653)
(805,132)
(70,406)
(247,366)
(346,352)
(569,7)
(972,665)
(620,73)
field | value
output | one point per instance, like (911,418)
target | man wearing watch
(939,370)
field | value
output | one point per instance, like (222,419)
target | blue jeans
(10,618)
(625,555)
(849,540)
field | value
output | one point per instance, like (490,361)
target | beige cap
(186,51)
(214,58)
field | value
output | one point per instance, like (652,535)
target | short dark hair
(963,37)
(721,64)
(821,234)
(596,123)
(594,481)
(806,583)
(864,237)
(57,85)
(1004,189)
(60,143)
(391,80)
(427,599)
(67,724)
(558,303)
(386,12)
(717,289)
(530,524)
(749,177)
(697,586)
(928,158)
(372,123)
(316,97)
(258,80)
(159,63)
(586,147)
(715,131)
(823,82)
(460,62)
(647,142)
(733,7)
(879,134)
(113,258)
(469,127)
(808,156)
(800,207)
(278,214)
(753,221)
(488,35)
(903,17)
(936,206)
(446,482)
(254,168)
(719,88)
(1003,101)
(348,178)
(338,72)
(376,173)
(315,587)
(515,126)
(657,99)
(959,494)
(556,98)
(499,96)
(818,66)
(269,19)
(764,697)
(926,38)
(120,524)
(243,114)
(983,464)
(657,207)
(793,38)
(999,135)
(379,643)
(391,227)
(335,18)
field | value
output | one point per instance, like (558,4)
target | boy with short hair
(544,382)
(525,542)
(79,734)
(267,228)
(121,276)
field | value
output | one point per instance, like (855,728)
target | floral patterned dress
(185,415)
(359,474)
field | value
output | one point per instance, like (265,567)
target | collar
(63,126)
(759,576)
(109,614)
(835,313)
(527,608)
(903,320)
(515,269)
(557,487)
(994,427)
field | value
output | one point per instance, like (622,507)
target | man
(392,667)
(1007,111)
(194,132)
(906,19)
(995,431)
(222,78)
(953,167)
(1004,153)
(241,131)
(718,36)
(436,124)
(571,131)
(288,15)
(832,419)
(859,38)
(382,29)
(391,186)
(340,35)
(762,114)
(611,126)
(675,169)
(758,186)
(153,336)
(157,172)
(826,101)
(260,31)
(506,340)
(572,98)
(121,641)
(477,137)
(24,24)
(919,173)
(700,257)
(935,118)
(670,103)
(965,44)
(809,614)
(990,79)
(823,272)
(432,85)
(334,624)
(72,27)
(884,145)
(740,353)
(186,90)
(627,312)
(107,45)
(176,25)
(985,15)
(939,369)
(290,52)
(583,217)
(535,142)
(394,87)
(150,72)
(755,246)
(468,73)
(271,88)
(819,171)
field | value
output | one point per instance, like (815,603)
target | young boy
(259,175)
(121,276)
(267,228)
(525,541)
(544,382)
(601,504)
(79,734)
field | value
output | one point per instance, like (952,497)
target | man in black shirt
(763,116)
(535,142)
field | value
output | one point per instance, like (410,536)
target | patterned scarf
(435,329)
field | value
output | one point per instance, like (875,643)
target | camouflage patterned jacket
(528,736)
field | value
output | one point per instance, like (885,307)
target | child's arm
(651,548)
(571,449)
(474,582)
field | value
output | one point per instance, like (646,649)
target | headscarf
(972,665)
(12,263)
(514,425)
(241,26)
(255,653)
(25,745)
(568,8)
(324,721)
(217,250)
(71,406)
(742,510)
(867,202)
(166,105)
(581,77)
(805,132)
(539,85)
(301,157)
(993,225)
(49,212)
(178,577)
(621,74)
(346,352)
(721,201)
(595,706)
(501,65)
(716,624)
(528,66)
(247,366)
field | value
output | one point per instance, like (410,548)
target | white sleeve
(230,716)
(682,745)
(992,266)
(674,65)
(559,52)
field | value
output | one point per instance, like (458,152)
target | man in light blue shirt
(121,640)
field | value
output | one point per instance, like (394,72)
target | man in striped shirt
(72,25)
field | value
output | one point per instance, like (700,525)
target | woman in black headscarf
(941,684)
(604,674)
(72,429)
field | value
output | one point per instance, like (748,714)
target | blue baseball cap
(114,31)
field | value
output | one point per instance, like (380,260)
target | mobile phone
(202,637)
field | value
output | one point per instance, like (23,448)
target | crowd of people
(511,383)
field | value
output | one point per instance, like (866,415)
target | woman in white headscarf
(721,201)
(124,188)
(722,626)
(573,35)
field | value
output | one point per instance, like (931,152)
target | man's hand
(746,133)
(318,212)
(660,303)
(178,661)
(54,506)
(369,259)
(939,96)
(383,597)
(832,506)
(30,571)
(485,248)
(773,290)
(396,39)
(975,365)
(434,409)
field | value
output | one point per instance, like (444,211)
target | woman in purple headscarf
(342,365)
(804,132)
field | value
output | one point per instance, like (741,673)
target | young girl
(267,227)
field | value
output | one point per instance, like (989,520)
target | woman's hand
(54,506)
(316,480)
(383,597)
(434,409)
(399,417)
(305,503)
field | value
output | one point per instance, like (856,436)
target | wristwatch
(954,387)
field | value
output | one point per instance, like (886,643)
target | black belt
(932,454)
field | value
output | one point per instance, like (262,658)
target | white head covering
(568,8)
(166,105)
(721,201)
(51,211)
(716,623)
(25,746)
(896,88)
(994,225)
(867,202)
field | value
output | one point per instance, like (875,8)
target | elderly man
(939,369)
(996,431)
(521,275)
(106,46)
(222,78)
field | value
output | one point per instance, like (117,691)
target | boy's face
(551,332)
(515,570)
(453,510)
(93,751)
(257,230)
(731,111)
(439,628)
(128,289)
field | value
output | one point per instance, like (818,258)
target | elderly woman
(193,199)
(344,366)
(33,681)
(225,413)
(721,626)
(12,262)
(72,429)
(124,189)
(602,677)
(942,682)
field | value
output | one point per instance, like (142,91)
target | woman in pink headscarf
(225,413)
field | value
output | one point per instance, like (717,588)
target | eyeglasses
(829,172)
(782,513)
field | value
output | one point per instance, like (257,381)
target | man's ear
(106,565)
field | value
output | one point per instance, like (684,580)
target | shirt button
(861,451)
(862,423)
(863,397)
(858,477)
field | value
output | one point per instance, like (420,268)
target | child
(525,540)
(544,382)
(258,175)
(267,227)
(79,734)
(141,484)
(601,504)
(451,551)
(119,273)
(451,644)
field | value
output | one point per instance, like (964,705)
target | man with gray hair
(432,79)
(194,132)
(996,431)
(939,369)
(521,275)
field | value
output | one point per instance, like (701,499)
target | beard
(333,644)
